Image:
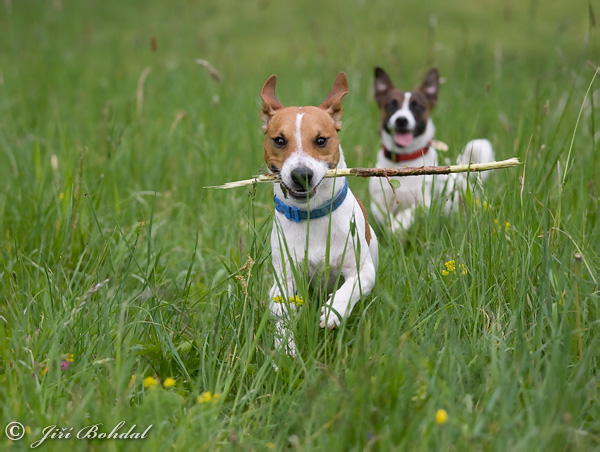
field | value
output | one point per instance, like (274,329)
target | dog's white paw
(329,319)
(330,314)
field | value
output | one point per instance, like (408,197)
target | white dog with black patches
(316,218)
(406,134)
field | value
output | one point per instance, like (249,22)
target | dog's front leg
(342,302)
(403,220)
(400,221)
(283,312)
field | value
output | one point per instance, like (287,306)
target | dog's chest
(320,243)
(413,189)
(312,243)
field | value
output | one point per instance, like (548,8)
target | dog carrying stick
(384,172)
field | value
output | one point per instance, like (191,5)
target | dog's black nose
(401,122)
(302,176)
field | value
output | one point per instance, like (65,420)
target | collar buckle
(292,213)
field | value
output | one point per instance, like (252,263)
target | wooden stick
(383,172)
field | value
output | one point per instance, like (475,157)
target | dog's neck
(327,190)
(419,142)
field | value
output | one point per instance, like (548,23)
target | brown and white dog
(406,134)
(318,221)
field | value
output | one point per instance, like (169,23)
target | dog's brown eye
(416,107)
(279,142)
(321,142)
(392,106)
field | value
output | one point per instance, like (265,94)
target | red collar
(405,157)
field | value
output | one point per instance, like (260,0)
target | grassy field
(112,251)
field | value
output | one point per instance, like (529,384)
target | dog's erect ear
(383,83)
(333,102)
(270,102)
(431,85)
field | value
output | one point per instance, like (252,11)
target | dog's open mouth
(297,194)
(403,139)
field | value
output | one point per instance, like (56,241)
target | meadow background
(112,251)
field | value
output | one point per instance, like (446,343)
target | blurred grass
(112,251)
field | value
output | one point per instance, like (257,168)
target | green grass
(101,183)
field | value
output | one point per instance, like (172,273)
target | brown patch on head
(420,105)
(317,134)
(367,227)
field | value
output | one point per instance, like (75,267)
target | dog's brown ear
(333,102)
(270,102)
(431,85)
(383,83)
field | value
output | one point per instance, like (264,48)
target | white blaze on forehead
(407,97)
(299,158)
(403,112)
(298,134)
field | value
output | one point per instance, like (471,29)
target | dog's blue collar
(298,215)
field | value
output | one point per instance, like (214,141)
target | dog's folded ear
(431,85)
(383,83)
(270,102)
(333,102)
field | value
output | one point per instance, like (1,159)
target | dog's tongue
(403,139)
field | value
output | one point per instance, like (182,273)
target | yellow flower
(208,397)
(169,382)
(478,204)
(451,266)
(441,416)
(506,226)
(28,430)
(69,357)
(150,382)
(297,300)
(205,397)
